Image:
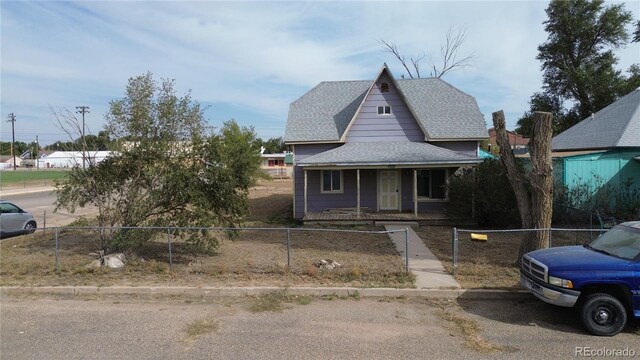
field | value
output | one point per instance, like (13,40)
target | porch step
(409,223)
(448,222)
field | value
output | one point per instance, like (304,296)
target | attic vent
(384,87)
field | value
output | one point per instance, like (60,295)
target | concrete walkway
(423,264)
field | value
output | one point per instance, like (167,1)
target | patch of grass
(199,328)
(31,177)
(470,331)
(305,300)
(272,302)
(449,311)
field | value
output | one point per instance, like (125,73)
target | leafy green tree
(62,146)
(578,61)
(19,147)
(168,169)
(541,101)
(100,142)
(275,146)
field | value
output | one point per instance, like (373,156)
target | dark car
(14,220)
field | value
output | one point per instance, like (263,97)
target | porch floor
(350,215)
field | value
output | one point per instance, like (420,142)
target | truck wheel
(603,315)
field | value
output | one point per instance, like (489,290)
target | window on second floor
(384,110)
(384,87)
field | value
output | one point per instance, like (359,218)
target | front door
(389,190)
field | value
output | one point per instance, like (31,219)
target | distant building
(277,165)
(518,142)
(67,159)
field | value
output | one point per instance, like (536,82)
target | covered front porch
(376,182)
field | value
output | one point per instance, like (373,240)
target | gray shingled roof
(323,113)
(380,153)
(617,125)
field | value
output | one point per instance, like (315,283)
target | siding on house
(613,168)
(400,125)
(302,151)
(317,201)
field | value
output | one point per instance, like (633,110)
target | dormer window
(384,110)
(384,87)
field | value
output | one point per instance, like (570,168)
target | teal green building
(601,154)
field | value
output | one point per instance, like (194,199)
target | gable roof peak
(442,111)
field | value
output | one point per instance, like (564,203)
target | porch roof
(387,153)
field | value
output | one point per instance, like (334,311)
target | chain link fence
(345,255)
(566,215)
(489,258)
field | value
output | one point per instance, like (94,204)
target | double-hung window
(331,181)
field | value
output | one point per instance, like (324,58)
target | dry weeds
(199,328)
(252,258)
(450,312)
(489,264)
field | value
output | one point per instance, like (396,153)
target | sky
(249,60)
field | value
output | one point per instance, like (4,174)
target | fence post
(454,250)
(169,244)
(406,249)
(289,248)
(57,267)
(550,237)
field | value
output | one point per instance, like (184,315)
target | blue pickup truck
(602,278)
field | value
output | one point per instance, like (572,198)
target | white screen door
(389,190)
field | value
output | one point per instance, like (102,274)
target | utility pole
(37,154)
(12,120)
(83,110)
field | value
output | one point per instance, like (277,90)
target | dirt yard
(251,257)
(488,264)
(491,263)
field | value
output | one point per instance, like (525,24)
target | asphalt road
(223,328)
(41,205)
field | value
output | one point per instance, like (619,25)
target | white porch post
(358,182)
(415,192)
(305,192)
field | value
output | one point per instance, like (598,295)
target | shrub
(598,197)
(489,191)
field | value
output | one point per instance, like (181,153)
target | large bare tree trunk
(536,203)
(516,178)
(541,178)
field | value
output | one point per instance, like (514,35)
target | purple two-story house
(381,147)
